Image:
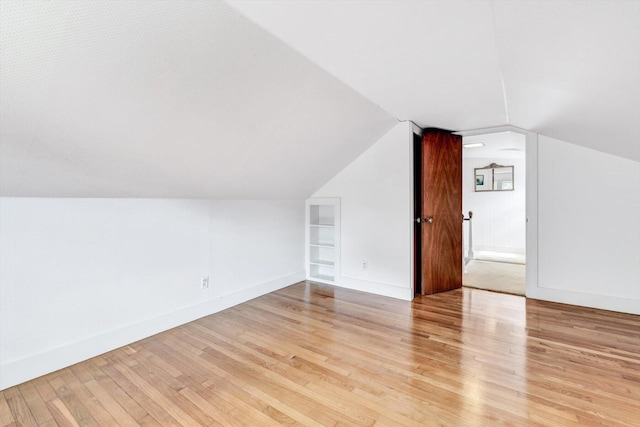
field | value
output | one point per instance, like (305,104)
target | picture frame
(494,177)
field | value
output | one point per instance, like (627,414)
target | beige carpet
(495,276)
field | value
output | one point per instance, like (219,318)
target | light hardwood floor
(317,355)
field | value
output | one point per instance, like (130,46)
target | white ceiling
(193,99)
(167,99)
(567,69)
(500,145)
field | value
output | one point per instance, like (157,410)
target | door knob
(429,220)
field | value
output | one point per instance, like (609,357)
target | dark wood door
(441,219)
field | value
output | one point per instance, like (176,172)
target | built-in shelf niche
(322,215)
(322,239)
(321,236)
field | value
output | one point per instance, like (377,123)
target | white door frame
(531,152)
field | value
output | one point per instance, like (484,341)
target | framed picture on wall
(493,177)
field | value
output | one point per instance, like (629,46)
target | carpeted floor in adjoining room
(495,276)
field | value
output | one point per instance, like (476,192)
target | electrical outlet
(365,264)
(204,282)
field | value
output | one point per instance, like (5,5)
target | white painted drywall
(376,202)
(499,217)
(79,277)
(565,68)
(588,228)
(413,67)
(167,99)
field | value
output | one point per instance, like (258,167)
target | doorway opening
(494,206)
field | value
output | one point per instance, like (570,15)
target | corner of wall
(376,193)
(132,268)
(582,248)
(18,371)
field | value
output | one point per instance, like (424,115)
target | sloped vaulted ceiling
(167,99)
(568,69)
(270,99)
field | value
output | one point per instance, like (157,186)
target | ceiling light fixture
(473,144)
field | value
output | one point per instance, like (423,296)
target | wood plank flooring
(316,355)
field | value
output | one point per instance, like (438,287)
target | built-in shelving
(322,239)
(322,262)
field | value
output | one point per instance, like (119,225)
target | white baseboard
(403,293)
(499,249)
(25,369)
(603,302)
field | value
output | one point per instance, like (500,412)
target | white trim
(603,302)
(531,274)
(498,249)
(494,129)
(335,202)
(21,370)
(399,292)
(415,129)
(531,148)
(411,219)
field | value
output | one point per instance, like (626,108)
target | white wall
(588,214)
(499,217)
(79,277)
(376,193)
